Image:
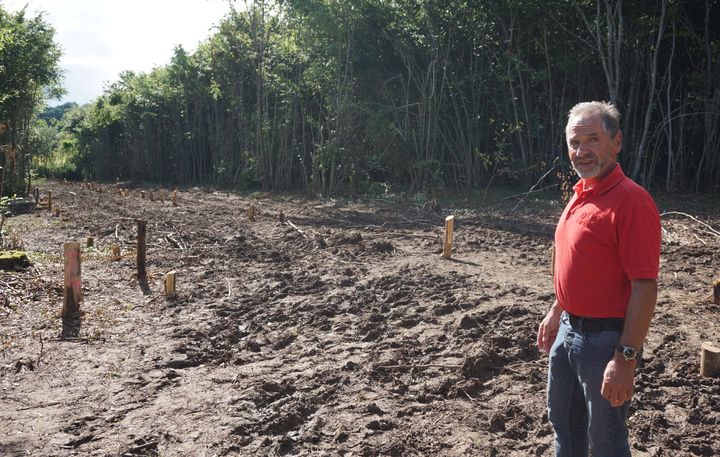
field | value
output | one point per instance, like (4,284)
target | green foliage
(57,112)
(28,73)
(365,96)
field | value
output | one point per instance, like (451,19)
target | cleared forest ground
(344,333)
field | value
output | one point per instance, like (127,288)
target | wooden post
(142,194)
(175,198)
(141,271)
(115,252)
(73,285)
(447,245)
(170,284)
(36,193)
(709,360)
(49,200)
(90,242)
(281,217)
(251,213)
(716,292)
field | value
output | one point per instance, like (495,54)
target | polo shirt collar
(605,184)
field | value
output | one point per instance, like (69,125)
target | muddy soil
(338,331)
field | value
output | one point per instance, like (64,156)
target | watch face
(629,353)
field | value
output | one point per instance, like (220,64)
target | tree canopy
(29,74)
(343,96)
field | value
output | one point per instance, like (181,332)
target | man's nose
(581,150)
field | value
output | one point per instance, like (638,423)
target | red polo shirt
(606,237)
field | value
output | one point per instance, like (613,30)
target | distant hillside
(57,112)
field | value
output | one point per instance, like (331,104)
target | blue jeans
(582,419)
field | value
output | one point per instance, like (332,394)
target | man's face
(592,151)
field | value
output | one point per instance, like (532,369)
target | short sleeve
(639,237)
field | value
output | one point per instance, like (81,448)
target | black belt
(595,324)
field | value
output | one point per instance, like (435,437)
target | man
(607,255)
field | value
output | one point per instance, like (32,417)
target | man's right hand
(548,328)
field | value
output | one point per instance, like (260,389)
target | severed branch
(174,242)
(181,244)
(229,288)
(413,366)
(708,226)
(2,222)
(37,364)
(532,189)
(525,194)
(296,228)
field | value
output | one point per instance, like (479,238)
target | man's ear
(618,141)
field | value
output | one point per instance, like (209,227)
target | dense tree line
(342,96)
(29,74)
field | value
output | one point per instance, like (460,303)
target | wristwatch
(628,352)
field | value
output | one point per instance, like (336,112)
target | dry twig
(532,189)
(413,366)
(296,229)
(37,364)
(712,231)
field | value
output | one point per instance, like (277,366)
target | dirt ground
(340,331)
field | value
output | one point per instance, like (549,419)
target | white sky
(101,38)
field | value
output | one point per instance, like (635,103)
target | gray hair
(605,111)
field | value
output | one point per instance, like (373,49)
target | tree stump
(709,360)
(115,252)
(142,230)
(13,260)
(73,284)
(170,284)
(447,245)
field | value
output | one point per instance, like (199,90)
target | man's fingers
(616,398)
(605,391)
(546,334)
(543,337)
